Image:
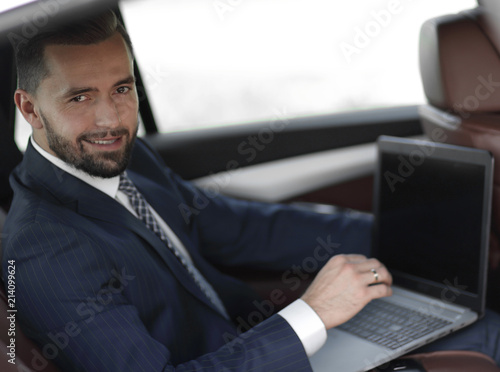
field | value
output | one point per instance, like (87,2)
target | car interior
(321,162)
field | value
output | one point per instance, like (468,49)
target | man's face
(87,107)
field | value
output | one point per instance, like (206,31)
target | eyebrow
(72,92)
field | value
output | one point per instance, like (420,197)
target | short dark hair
(31,67)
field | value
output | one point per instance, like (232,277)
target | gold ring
(375,275)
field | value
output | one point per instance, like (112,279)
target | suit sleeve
(72,300)
(269,236)
(233,232)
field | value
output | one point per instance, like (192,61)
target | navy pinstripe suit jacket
(99,292)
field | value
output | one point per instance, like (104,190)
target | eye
(79,98)
(123,90)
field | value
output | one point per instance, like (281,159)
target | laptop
(432,206)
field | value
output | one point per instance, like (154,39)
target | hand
(342,288)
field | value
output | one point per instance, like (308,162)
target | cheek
(70,126)
(128,109)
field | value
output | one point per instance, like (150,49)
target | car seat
(460,69)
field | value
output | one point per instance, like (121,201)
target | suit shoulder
(42,232)
(29,212)
(147,161)
(144,152)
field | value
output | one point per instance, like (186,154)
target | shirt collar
(109,186)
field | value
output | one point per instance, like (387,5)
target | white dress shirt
(302,318)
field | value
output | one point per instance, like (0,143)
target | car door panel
(280,180)
(197,153)
(297,161)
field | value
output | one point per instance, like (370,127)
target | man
(111,274)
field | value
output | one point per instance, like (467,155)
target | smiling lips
(106,143)
(106,140)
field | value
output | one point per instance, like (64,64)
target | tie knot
(126,185)
(137,201)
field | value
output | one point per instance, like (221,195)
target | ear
(25,102)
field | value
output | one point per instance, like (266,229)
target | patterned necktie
(142,208)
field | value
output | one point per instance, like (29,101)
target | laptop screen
(432,206)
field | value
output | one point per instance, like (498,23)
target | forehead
(88,64)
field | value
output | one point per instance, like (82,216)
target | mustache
(96,135)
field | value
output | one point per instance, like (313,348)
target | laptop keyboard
(391,325)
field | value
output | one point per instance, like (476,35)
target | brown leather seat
(456,361)
(460,68)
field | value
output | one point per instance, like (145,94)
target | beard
(104,164)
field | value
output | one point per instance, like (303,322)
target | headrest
(489,16)
(459,62)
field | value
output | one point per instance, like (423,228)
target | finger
(375,267)
(381,290)
(378,275)
(364,266)
(355,258)
(370,263)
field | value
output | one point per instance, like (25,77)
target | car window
(225,62)
(211,63)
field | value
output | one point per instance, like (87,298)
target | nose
(107,113)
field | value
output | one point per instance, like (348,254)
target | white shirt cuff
(307,325)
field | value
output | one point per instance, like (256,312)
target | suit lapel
(51,182)
(112,211)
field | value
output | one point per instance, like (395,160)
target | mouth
(108,144)
(103,142)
